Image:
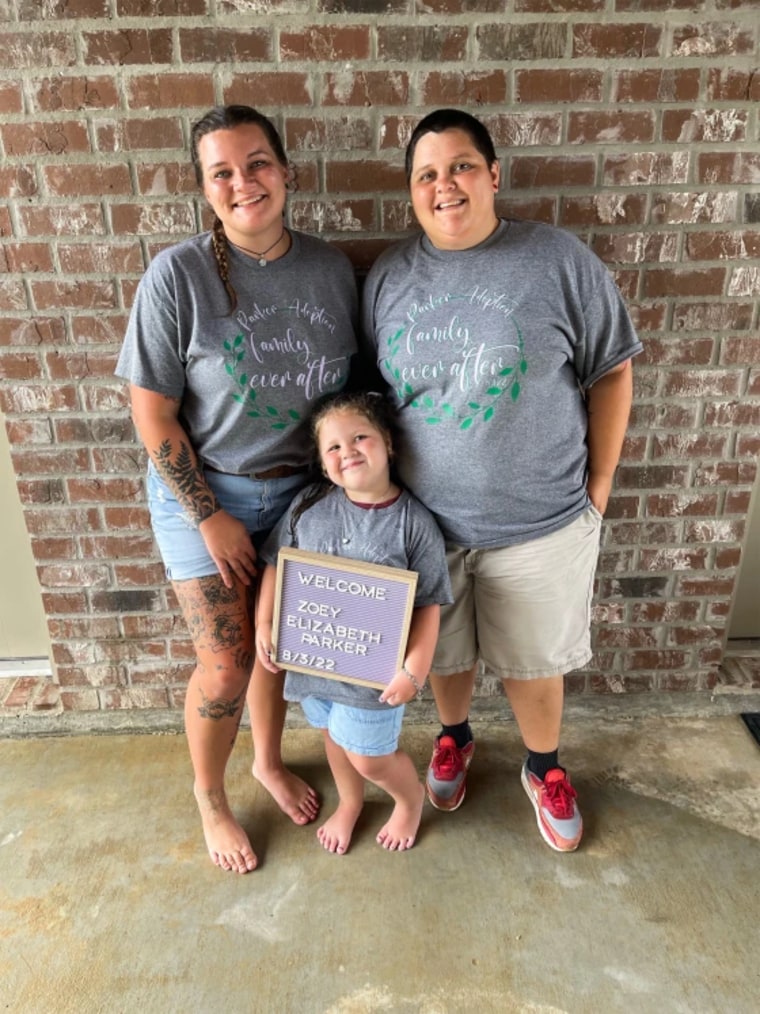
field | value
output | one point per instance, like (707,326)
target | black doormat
(752,721)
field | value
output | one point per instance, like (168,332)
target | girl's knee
(372,768)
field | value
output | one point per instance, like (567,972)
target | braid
(219,244)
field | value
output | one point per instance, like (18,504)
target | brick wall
(634,123)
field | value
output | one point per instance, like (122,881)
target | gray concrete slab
(108,901)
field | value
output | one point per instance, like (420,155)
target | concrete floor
(108,901)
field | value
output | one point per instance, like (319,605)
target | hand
(230,546)
(399,690)
(264,647)
(598,489)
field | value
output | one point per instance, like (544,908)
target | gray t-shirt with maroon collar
(247,380)
(488,353)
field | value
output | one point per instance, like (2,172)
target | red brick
(457,88)
(636,247)
(171,91)
(684,282)
(713,246)
(716,38)
(59,138)
(20,366)
(685,504)
(139,576)
(134,698)
(664,612)
(702,384)
(129,518)
(28,431)
(128,46)
(12,294)
(531,171)
(439,43)
(534,209)
(647,84)
(71,93)
(86,180)
(210,44)
(31,50)
(144,219)
(740,352)
(646,168)
(163,8)
(42,461)
(603,209)
(558,86)
(510,42)
(63,220)
(362,176)
(80,700)
(613,41)
(732,84)
(73,295)
(525,130)
(270,88)
(139,135)
(27,258)
(74,575)
(103,490)
(687,126)
(325,43)
(728,168)
(698,316)
(60,520)
(39,398)
(17,181)
(366,88)
(47,550)
(64,603)
(333,216)
(342,133)
(157,179)
(11,99)
(601,127)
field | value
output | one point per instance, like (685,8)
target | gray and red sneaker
(557,814)
(447,773)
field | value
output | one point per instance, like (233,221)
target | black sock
(461,734)
(540,763)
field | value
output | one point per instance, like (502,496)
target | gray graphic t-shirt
(247,380)
(402,535)
(488,352)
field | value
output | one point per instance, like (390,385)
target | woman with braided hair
(233,335)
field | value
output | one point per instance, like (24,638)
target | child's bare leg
(335,833)
(267,710)
(397,775)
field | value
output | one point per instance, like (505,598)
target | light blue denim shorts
(363,731)
(258,504)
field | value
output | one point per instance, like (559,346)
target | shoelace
(447,760)
(559,797)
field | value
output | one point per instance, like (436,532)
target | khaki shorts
(523,610)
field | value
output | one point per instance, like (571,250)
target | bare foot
(401,830)
(227,842)
(335,833)
(291,793)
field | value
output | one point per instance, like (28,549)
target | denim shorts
(258,504)
(523,610)
(368,732)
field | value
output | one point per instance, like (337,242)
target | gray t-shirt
(402,534)
(247,380)
(488,352)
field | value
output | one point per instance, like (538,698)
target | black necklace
(261,257)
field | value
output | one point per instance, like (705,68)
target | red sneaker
(557,814)
(447,773)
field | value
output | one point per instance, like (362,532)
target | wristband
(417,686)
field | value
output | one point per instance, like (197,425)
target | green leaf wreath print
(246,395)
(508,380)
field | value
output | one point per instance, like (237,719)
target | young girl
(359,512)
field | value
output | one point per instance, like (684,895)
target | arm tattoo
(185,478)
(220,708)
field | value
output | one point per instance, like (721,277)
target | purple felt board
(341,619)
